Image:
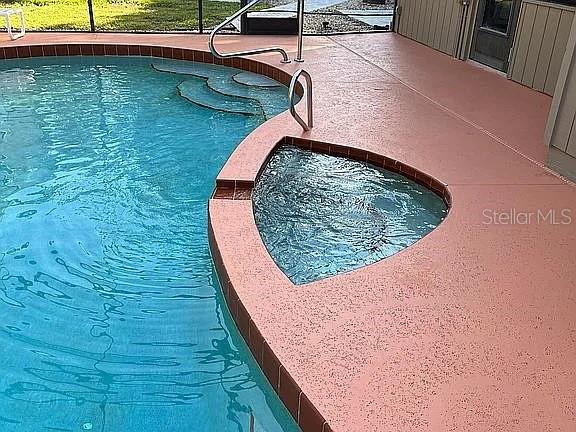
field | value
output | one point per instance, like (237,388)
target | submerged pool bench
(8,13)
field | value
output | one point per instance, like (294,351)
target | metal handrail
(309,103)
(215,53)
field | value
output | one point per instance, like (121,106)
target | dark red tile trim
(243,321)
(23,51)
(412,173)
(233,189)
(309,418)
(74,50)
(98,49)
(242,190)
(255,342)
(297,403)
(289,393)
(270,366)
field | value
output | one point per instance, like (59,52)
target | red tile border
(242,189)
(74,50)
(49,50)
(232,300)
(86,50)
(122,50)
(270,365)
(23,51)
(289,393)
(297,403)
(377,160)
(100,49)
(36,51)
(243,321)
(255,342)
(309,419)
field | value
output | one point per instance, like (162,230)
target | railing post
(300,15)
(91,16)
(200,16)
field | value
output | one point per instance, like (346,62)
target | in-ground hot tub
(320,215)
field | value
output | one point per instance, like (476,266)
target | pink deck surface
(473,328)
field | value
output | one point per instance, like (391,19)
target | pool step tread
(227,81)
(198,92)
(200,70)
(255,80)
(266,96)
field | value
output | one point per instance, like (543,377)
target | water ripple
(320,215)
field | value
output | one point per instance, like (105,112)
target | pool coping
(242,189)
(141,50)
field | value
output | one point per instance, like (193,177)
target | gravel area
(367,5)
(323,24)
(331,20)
(329,23)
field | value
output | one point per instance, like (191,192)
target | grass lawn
(122,15)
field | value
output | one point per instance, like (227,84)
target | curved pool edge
(304,412)
(141,50)
(227,188)
(299,404)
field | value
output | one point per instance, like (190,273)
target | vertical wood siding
(435,23)
(540,44)
(561,128)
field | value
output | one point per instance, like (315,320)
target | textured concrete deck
(473,328)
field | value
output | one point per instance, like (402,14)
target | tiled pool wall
(97,49)
(242,189)
(302,410)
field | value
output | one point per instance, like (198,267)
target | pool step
(255,80)
(200,70)
(268,97)
(237,87)
(197,91)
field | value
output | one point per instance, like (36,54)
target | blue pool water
(320,215)
(112,318)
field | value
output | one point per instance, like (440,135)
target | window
(497,15)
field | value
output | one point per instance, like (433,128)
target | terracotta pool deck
(473,328)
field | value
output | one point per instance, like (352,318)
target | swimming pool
(320,215)
(112,316)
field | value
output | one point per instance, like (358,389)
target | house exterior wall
(561,129)
(543,56)
(540,43)
(435,23)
